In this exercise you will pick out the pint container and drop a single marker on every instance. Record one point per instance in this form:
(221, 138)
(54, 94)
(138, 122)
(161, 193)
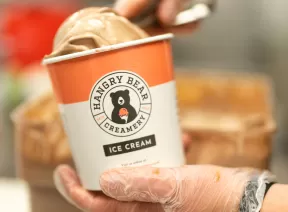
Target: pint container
(118, 106)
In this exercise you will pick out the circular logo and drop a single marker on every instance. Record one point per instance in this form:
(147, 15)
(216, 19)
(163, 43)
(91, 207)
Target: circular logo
(121, 103)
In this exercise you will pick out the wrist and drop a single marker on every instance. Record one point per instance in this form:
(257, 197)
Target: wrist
(255, 190)
(275, 199)
(235, 186)
(225, 187)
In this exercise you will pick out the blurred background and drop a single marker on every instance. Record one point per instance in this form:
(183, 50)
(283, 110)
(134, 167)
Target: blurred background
(246, 38)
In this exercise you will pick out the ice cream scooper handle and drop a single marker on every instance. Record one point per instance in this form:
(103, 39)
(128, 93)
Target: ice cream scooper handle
(198, 10)
(195, 10)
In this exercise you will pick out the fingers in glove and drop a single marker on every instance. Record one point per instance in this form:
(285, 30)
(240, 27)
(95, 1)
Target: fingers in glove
(68, 184)
(145, 184)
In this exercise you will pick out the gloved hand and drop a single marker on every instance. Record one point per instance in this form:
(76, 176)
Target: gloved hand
(148, 189)
(185, 189)
(166, 14)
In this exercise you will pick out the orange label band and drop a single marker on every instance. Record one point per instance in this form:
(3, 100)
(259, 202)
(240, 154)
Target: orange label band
(73, 79)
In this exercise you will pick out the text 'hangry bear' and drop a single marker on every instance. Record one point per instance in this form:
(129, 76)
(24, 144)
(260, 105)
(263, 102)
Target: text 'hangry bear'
(118, 80)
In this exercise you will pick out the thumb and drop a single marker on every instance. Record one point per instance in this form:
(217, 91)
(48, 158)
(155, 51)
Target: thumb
(144, 184)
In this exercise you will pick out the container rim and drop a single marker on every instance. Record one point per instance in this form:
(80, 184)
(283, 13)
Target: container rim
(107, 48)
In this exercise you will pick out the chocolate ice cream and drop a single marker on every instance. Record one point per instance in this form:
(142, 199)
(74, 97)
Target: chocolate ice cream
(91, 28)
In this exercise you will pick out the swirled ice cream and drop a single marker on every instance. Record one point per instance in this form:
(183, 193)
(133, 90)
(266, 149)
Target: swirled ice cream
(93, 27)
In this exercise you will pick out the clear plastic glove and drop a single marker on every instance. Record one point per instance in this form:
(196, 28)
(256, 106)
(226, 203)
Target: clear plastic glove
(148, 189)
(185, 189)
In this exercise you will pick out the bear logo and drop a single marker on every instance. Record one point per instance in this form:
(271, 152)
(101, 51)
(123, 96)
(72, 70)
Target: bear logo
(123, 111)
(121, 103)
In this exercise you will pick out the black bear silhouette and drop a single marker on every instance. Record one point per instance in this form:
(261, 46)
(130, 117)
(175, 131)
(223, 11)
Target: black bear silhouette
(121, 102)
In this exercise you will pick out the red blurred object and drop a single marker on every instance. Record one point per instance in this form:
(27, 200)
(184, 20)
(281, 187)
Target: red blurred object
(28, 31)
